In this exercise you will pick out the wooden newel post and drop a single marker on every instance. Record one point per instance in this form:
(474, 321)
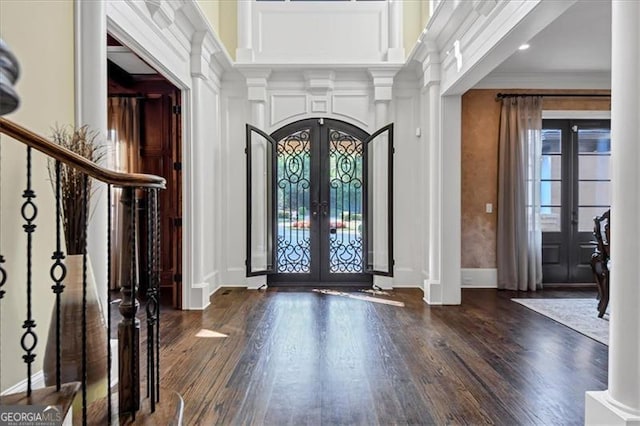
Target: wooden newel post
(129, 326)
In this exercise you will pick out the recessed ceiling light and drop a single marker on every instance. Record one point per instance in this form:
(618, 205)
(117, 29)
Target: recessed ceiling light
(524, 46)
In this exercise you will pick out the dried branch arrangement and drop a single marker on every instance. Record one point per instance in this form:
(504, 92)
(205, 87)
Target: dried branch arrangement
(82, 141)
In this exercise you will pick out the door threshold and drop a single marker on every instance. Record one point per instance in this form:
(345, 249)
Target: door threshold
(312, 285)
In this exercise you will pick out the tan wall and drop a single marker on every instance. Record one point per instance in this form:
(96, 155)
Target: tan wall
(211, 9)
(415, 17)
(40, 33)
(480, 125)
(228, 21)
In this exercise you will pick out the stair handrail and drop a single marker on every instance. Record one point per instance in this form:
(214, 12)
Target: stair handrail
(72, 159)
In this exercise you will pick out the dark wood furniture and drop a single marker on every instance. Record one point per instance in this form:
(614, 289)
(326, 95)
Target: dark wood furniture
(600, 259)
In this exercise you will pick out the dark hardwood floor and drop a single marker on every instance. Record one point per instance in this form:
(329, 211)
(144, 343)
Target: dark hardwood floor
(300, 357)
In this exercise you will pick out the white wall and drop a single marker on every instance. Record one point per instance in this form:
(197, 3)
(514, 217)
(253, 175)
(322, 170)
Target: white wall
(235, 113)
(409, 194)
(346, 95)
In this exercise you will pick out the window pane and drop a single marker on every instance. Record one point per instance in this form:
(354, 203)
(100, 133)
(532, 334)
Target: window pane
(586, 215)
(550, 219)
(594, 167)
(551, 167)
(595, 193)
(550, 193)
(594, 141)
(551, 141)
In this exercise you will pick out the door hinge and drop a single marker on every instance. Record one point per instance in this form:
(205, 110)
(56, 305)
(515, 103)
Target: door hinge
(574, 128)
(177, 166)
(176, 109)
(177, 221)
(177, 278)
(246, 151)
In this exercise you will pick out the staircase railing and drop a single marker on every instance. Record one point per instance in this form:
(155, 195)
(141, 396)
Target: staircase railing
(136, 188)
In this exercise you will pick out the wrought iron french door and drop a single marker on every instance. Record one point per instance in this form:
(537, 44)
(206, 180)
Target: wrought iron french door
(312, 209)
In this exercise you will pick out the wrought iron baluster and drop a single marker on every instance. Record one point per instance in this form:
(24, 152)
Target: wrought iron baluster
(156, 283)
(133, 267)
(109, 355)
(3, 277)
(151, 301)
(3, 272)
(29, 212)
(85, 208)
(58, 271)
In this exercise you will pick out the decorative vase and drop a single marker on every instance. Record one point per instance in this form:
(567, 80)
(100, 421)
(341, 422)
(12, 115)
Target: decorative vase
(71, 334)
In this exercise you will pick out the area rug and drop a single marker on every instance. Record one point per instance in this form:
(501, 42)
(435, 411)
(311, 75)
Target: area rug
(578, 314)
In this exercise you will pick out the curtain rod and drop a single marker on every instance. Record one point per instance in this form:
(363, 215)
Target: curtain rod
(558, 95)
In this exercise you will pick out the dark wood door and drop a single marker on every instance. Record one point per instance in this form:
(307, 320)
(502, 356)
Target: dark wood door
(160, 154)
(575, 187)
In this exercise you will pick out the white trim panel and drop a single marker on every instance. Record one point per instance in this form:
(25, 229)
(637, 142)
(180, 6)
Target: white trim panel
(479, 278)
(320, 32)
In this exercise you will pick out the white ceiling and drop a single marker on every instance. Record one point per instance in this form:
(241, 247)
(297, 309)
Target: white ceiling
(578, 41)
(127, 60)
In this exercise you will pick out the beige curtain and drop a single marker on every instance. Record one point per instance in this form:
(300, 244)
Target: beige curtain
(124, 121)
(124, 131)
(519, 245)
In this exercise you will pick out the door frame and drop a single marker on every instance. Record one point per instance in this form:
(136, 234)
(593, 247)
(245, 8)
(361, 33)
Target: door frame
(320, 194)
(569, 235)
(319, 191)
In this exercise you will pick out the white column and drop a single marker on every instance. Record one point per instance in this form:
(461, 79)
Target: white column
(620, 404)
(244, 51)
(257, 96)
(91, 109)
(395, 52)
(451, 195)
(431, 83)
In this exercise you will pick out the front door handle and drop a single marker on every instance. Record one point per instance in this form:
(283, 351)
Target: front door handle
(325, 208)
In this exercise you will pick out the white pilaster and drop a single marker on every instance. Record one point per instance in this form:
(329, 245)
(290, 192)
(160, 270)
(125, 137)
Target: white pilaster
(450, 194)
(244, 51)
(396, 47)
(620, 403)
(431, 83)
(383, 94)
(196, 289)
(257, 96)
(91, 109)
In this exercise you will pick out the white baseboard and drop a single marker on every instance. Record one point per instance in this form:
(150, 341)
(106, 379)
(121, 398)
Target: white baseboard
(600, 409)
(432, 292)
(479, 278)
